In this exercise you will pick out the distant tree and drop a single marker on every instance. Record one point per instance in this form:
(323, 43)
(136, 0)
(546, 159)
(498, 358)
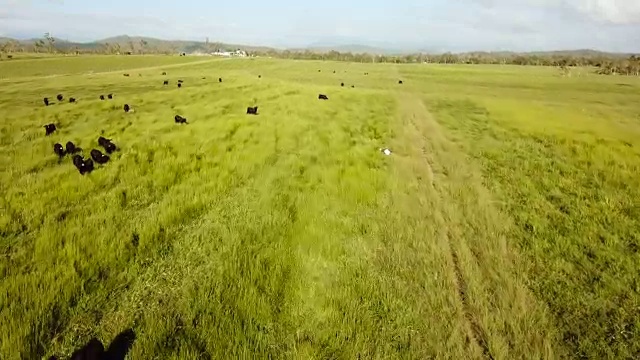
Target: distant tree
(4, 49)
(143, 44)
(38, 45)
(50, 41)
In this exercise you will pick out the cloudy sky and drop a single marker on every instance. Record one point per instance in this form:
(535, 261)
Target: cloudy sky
(452, 25)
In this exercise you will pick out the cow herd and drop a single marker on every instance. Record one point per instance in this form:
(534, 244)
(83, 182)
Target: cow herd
(59, 97)
(86, 165)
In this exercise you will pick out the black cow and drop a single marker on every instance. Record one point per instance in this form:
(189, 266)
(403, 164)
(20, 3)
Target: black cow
(59, 97)
(58, 149)
(219, 79)
(101, 97)
(72, 148)
(72, 100)
(180, 120)
(259, 76)
(110, 96)
(334, 71)
(180, 81)
(99, 157)
(88, 165)
(400, 82)
(366, 73)
(78, 162)
(166, 82)
(352, 86)
(164, 73)
(127, 75)
(252, 110)
(107, 144)
(94, 349)
(46, 101)
(319, 70)
(322, 97)
(179, 85)
(50, 128)
(126, 108)
(342, 84)
(83, 166)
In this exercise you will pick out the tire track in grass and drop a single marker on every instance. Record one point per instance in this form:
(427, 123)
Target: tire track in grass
(503, 319)
(477, 335)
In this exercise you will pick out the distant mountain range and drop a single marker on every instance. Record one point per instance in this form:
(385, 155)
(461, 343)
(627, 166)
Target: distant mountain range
(135, 43)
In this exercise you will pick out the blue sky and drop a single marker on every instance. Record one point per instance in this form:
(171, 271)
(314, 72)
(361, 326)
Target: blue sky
(437, 25)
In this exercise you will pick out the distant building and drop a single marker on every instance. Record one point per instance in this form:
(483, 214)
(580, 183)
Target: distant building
(236, 53)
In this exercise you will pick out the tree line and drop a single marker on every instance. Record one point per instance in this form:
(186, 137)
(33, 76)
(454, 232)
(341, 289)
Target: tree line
(606, 63)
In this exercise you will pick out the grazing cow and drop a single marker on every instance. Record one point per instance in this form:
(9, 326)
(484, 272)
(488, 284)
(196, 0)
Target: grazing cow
(252, 110)
(400, 82)
(180, 81)
(259, 76)
(72, 148)
(94, 349)
(164, 73)
(204, 78)
(352, 86)
(127, 75)
(219, 79)
(78, 162)
(59, 97)
(107, 144)
(334, 71)
(322, 97)
(166, 82)
(58, 149)
(50, 128)
(46, 101)
(83, 166)
(88, 165)
(72, 100)
(101, 97)
(319, 70)
(180, 120)
(99, 157)
(126, 108)
(110, 96)
(342, 84)
(366, 73)
(179, 85)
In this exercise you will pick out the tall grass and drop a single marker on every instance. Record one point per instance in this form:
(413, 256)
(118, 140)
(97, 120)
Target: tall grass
(501, 226)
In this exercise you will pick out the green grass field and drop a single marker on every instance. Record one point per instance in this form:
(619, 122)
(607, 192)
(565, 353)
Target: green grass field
(504, 225)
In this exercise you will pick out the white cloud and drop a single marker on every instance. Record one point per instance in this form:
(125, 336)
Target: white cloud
(611, 11)
(614, 11)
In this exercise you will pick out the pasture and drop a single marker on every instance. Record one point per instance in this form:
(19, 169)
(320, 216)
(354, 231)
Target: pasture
(505, 223)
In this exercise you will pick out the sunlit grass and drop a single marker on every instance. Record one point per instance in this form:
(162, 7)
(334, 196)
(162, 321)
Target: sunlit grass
(503, 224)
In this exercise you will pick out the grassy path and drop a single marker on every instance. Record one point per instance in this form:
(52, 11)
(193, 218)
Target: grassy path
(501, 318)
